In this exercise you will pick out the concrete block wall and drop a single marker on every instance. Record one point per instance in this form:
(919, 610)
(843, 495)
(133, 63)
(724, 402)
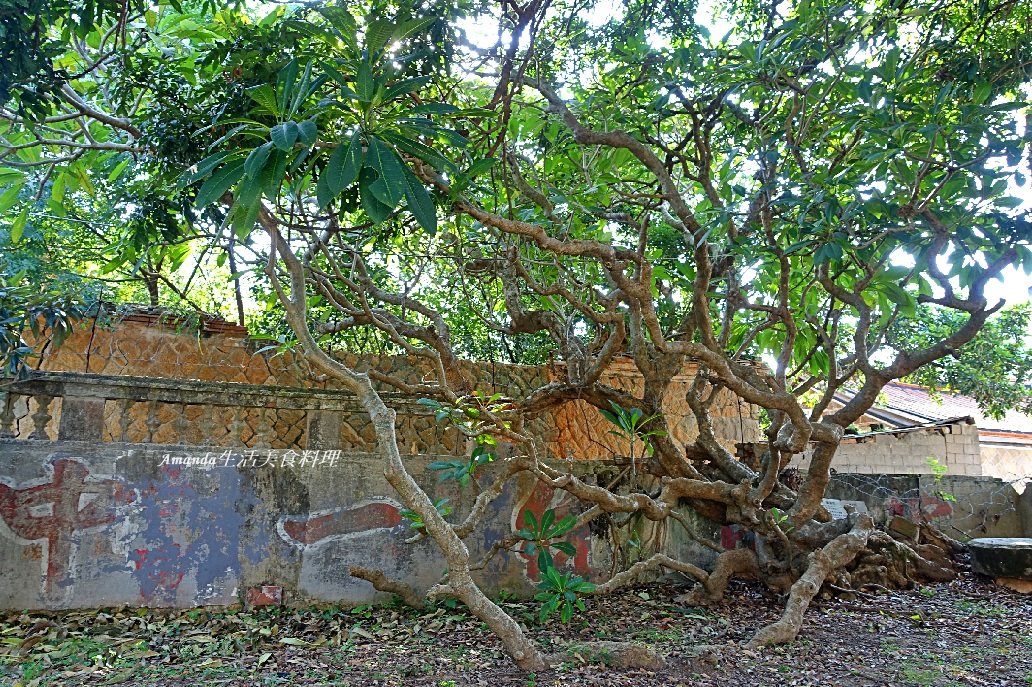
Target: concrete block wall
(86, 524)
(978, 506)
(1008, 462)
(1025, 509)
(954, 446)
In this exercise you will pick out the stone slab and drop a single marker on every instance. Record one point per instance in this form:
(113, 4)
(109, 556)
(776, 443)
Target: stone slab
(1008, 557)
(837, 507)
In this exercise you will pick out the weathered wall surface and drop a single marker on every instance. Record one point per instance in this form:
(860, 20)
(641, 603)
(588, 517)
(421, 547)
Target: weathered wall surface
(1010, 463)
(287, 494)
(575, 430)
(1025, 509)
(908, 452)
(86, 525)
(963, 506)
(103, 500)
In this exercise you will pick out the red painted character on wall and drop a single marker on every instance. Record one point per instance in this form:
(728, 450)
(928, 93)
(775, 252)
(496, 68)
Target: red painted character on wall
(925, 507)
(540, 499)
(340, 523)
(53, 509)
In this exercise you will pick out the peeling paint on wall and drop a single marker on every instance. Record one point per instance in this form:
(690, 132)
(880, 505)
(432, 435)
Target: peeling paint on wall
(537, 501)
(340, 524)
(53, 510)
(156, 534)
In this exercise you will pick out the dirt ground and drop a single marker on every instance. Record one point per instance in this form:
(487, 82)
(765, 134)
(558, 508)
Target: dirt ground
(968, 632)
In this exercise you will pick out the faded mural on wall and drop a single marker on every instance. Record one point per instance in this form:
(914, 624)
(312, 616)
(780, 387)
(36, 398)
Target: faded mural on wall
(49, 514)
(126, 525)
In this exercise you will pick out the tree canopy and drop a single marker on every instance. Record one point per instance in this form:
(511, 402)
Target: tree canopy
(995, 368)
(778, 205)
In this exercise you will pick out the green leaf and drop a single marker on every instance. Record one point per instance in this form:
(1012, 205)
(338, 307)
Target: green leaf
(10, 176)
(417, 149)
(272, 175)
(828, 252)
(412, 26)
(343, 166)
(9, 198)
(265, 96)
(376, 210)
(982, 92)
(405, 86)
(256, 160)
(341, 80)
(117, 171)
(284, 135)
(434, 108)
(547, 518)
(202, 169)
(365, 85)
(480, 166)
(389, 188)
(566, 547)
(307, 132)
(219, 183)
(285, 83)
(544, 560)
(341, 20)
(378, 34)
(323, 196)
(18, 226)
(420, 204)
(548, 609)
(246, 206)
(564, 526)
(303, 89)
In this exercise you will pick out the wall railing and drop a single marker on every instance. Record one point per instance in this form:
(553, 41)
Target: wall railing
(100, 408)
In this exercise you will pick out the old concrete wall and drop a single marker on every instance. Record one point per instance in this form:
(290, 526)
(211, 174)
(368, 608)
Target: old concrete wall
(574, 430)
(1011, 463)
(1025, 509)
(963, 506)
(953, 446)
(87, 524)
(99, 505)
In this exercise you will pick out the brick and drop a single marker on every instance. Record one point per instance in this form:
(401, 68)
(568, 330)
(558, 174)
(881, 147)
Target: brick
(903, 526)
(266, 595)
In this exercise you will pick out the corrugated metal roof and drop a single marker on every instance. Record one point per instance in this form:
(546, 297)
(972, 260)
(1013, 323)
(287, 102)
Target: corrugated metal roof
(905, 404)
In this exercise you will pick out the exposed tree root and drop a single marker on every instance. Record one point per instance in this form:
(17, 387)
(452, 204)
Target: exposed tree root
(383, 583)
(838, 553)
(659, 560)
(896, 564)
(737, 562)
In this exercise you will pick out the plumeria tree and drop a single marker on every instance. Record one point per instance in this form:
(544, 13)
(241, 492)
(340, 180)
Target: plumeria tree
(768, 194)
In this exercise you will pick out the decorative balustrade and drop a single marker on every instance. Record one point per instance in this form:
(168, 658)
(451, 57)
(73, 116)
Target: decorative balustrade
(99, 408)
